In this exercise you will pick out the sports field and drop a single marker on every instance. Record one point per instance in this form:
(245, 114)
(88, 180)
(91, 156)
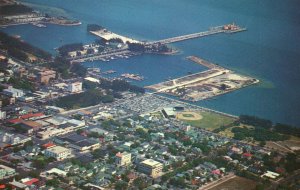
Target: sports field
(203, 119)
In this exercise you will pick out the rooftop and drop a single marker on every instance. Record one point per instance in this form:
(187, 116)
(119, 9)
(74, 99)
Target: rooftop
(74, 138)
(120, 155)
(150, 162)
(57, 149)
(32, 124)
(5, 167)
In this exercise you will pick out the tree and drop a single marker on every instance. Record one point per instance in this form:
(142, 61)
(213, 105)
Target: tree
(65, 49)
(178, 182)
(78, 69)
(94, 27)
(34, 174)
(121, 185)
(255, 121)
(140, 183)
(138, 47)
(52, 183)
(19, 49)
(39, 163)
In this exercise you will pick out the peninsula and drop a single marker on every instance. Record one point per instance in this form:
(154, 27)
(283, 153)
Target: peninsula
(207, 84)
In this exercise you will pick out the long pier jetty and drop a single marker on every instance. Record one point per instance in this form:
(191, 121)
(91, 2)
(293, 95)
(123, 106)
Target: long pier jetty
(204, 62)
(230, 28)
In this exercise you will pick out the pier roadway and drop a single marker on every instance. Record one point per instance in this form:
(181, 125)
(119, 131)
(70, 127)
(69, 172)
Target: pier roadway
(190, 36)
(211, 31)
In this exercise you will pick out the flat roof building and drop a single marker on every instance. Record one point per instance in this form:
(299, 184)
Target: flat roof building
(46, 75)
(123, 159)
(75, 87)
(13, 92)
(58, 152)
(151, 168)
(169, 112)
(6, 172)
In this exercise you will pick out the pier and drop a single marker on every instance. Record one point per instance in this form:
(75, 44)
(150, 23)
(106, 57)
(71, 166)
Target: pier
(204, 62)
(230, 28)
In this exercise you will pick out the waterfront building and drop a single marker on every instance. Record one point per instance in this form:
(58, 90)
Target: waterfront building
(151, 167)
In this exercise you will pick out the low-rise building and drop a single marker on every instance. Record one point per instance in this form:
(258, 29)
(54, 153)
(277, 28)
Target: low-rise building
(85, 145)
(57, 172)
(45, 75)
(78, 142)
(75, 87)
(169, 112)
(29, 127)
(2, 115)
(271, 175)
(6, 172)
(50, 132)
(13, 92)
(58, 152)
(13, 139)
(123, 159)
(151, 168)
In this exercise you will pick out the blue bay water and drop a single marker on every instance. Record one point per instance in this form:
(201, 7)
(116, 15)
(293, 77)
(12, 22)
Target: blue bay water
(269, 50)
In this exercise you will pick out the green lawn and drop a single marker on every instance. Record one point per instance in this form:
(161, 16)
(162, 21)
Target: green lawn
(211, 121)
(228, 133)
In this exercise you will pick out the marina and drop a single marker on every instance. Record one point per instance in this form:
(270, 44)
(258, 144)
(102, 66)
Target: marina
(136, 77)
(126, 53)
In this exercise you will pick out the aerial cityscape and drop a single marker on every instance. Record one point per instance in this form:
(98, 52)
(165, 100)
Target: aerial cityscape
(154, 95)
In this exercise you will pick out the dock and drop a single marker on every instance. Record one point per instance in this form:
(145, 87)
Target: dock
(204, 62)
(229, 29)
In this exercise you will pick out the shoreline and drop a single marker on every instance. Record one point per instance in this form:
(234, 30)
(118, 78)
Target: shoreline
(43, 22)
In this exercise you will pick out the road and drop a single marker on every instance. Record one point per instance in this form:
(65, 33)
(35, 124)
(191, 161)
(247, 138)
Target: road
(218, 182)
(286, 180)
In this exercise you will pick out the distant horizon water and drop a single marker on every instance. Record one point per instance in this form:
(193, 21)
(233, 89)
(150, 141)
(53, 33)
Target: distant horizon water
(268, 50)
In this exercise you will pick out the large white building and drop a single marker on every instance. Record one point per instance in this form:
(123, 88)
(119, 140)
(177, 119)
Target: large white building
(151, 168)
(2, 115)
(75, 87)
(123, 159)
(13, 139)
(58, 152)
(50, 132)
(12, 92)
